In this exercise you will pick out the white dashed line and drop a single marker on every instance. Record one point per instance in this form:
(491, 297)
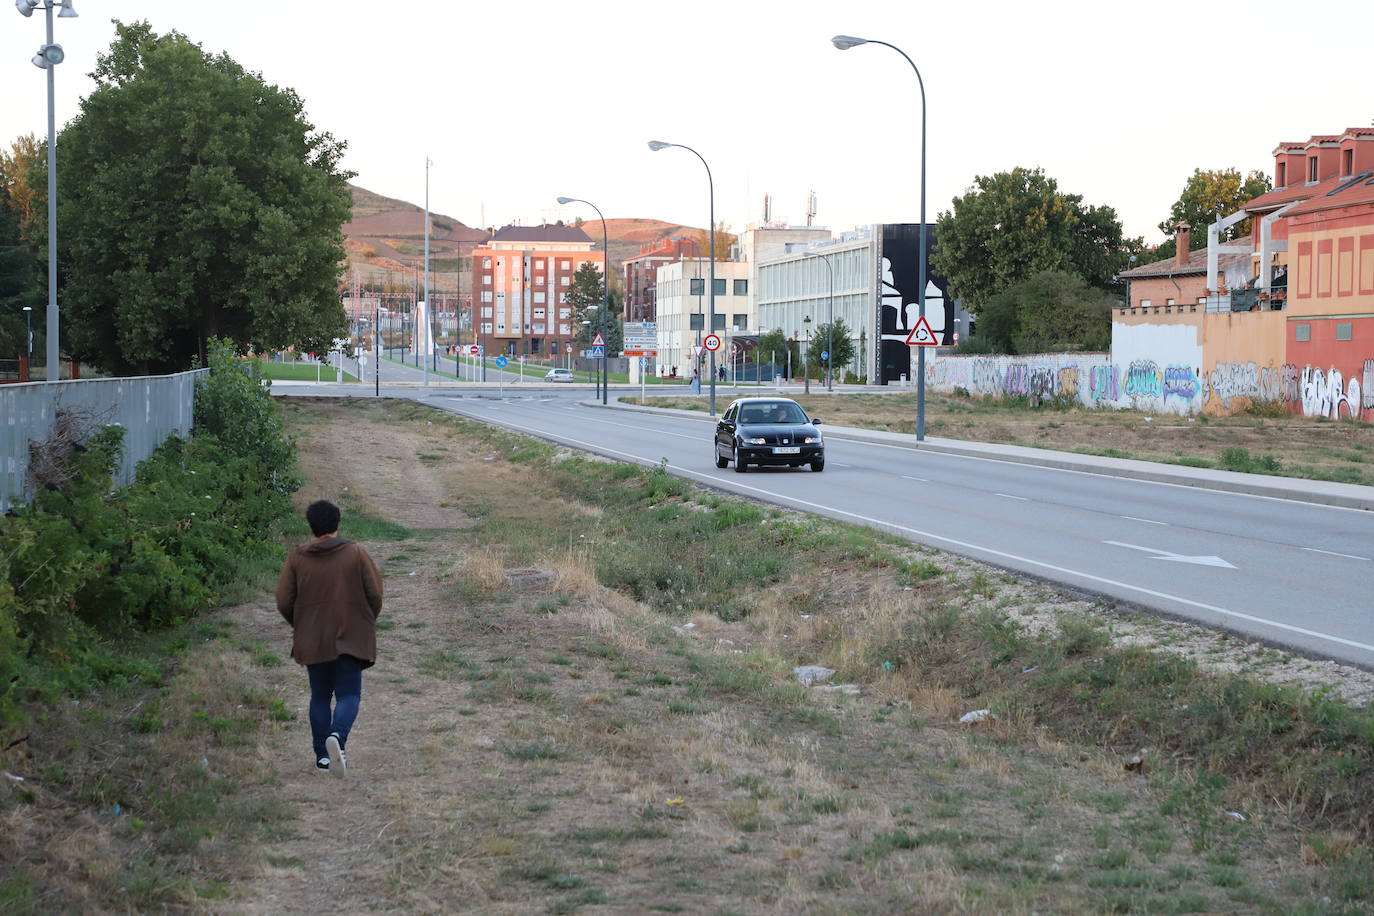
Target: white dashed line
(1024, 499)
(1148, 521)
(1332, 553)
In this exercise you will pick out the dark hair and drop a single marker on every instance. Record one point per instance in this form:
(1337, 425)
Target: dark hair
(323, 517)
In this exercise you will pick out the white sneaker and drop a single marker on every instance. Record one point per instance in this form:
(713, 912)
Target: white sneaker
(336, 753)
(322, 764)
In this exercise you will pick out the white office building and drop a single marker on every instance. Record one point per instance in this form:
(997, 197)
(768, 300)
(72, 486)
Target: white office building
(682, 304)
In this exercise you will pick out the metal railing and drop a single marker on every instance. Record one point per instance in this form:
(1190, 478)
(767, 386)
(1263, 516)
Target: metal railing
(150, 409)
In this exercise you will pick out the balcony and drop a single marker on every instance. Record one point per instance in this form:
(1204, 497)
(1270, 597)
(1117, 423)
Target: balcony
(1250, 300)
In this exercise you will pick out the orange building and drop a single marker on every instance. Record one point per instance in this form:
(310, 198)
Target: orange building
(520, 280)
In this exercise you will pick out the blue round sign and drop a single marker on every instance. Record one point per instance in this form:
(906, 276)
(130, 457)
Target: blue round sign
(501, 362)
(825, 354)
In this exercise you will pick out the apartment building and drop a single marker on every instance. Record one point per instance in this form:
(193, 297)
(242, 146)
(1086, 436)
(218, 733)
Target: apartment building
(520, 280)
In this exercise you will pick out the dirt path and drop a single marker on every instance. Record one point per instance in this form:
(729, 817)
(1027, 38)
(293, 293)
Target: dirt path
(535, 743)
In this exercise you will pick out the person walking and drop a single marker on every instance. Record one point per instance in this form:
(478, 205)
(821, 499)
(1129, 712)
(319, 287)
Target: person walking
(331, 593)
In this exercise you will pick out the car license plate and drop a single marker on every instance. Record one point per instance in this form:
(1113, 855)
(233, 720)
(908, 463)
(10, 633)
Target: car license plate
(788, 450)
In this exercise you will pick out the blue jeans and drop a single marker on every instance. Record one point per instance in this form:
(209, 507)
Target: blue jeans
(342, 682)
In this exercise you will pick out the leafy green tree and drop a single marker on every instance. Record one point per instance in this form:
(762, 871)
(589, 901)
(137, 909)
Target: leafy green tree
(1051, 311)
(21, 280)
(1012, 225)
(820, 343)
(1207, 197)
(772, 348)
(197, 202)
(586, 297)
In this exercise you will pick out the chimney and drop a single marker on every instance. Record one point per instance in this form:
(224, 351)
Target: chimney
(1183, 236)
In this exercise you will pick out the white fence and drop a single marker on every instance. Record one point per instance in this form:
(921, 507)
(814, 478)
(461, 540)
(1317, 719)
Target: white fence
(150, 409)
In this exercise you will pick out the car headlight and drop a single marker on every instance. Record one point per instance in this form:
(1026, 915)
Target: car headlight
(812, 440)
(756, 441)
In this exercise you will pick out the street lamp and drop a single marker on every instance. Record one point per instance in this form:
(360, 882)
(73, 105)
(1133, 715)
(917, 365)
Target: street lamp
(657, 145)
(830, 341)
(47, 58)
(605, 285)
(28, 324)
(844, 43)
(806, 355)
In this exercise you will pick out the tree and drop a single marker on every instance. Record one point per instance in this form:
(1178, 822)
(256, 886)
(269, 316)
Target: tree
(820, 343)
(772, 348)
(1206, 198)
(1051, 311)
(1012, 225)
(197, 202)
(586, 296)
(21, 283)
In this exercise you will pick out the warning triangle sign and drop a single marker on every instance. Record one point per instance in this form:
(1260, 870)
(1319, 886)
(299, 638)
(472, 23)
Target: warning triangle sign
(922, 335)
(598, 340)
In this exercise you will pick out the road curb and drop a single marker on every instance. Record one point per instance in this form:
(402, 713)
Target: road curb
(1320, 492)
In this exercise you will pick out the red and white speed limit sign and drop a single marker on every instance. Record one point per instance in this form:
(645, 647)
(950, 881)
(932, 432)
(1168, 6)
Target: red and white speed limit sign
(712, 342)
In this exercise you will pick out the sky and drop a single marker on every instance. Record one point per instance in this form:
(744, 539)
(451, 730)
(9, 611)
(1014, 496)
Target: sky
(520, 103)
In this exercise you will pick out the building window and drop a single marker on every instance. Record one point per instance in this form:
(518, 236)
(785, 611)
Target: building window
(565, 281)
(538, 297)
(486, 262)
(1302, 333)
(1349, 161)
(741, 322)
(565, 313)
(1169, 302)
(1283, 175)
(539, 313)
(486, 327)
(698, 286)
(486, 311)
(718, 286)
(486, 279)
(538, 263)
(741, 287)
(1311, 168)
(1343, 330)
(565, 265)
(486, 295)
(564, 329)
(1145, 303)
(562, 297)
(539, 280)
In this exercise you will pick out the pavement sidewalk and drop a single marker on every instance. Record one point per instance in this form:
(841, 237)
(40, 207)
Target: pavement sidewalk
(1323, 492)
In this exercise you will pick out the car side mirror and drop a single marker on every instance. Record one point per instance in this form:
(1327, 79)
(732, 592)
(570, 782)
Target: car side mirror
(815, 421)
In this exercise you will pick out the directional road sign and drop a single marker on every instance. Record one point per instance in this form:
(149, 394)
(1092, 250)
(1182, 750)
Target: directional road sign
(501, 362)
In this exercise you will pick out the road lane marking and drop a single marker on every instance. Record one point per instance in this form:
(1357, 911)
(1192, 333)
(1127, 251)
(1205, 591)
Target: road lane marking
(1148, 521)
(1332, 553)
(989, 551)
(1174, 557)
(1024, 499)
(919, 479)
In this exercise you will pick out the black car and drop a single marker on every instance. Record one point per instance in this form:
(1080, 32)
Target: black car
(768, 431)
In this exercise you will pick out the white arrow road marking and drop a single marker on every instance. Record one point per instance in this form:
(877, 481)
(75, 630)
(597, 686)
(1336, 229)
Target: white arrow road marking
(1175, 557)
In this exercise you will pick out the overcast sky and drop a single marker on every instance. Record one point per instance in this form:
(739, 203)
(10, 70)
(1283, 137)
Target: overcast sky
(520, 102)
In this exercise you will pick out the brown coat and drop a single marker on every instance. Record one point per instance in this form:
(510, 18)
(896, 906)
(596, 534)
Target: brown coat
(331, 593)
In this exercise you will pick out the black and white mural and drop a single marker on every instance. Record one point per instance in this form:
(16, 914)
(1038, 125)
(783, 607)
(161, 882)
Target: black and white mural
(899, 249)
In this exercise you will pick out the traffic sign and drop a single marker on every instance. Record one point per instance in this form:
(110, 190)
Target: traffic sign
(639, 352)
(598, 340)
(501, 362)
(598, 352)
(712, 342)
(922, 335)
(475, 349)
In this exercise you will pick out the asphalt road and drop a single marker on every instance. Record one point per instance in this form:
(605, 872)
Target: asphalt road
(1288, 572)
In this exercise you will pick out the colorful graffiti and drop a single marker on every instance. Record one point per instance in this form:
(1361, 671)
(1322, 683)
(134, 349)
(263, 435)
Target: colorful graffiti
(1094, 381)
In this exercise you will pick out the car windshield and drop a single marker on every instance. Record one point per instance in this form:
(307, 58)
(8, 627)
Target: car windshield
(778, 412)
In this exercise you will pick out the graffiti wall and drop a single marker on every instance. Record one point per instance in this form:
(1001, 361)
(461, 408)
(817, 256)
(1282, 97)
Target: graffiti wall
(1144, 383)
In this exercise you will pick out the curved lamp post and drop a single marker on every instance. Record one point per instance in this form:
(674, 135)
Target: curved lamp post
(603, 379)
(47, 58)
(657, 145)
(830, 331)
(844, 43)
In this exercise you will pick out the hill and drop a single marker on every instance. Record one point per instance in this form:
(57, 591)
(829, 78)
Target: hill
(385, 242)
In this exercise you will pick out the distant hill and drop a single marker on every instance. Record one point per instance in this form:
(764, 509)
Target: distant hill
(386, 237)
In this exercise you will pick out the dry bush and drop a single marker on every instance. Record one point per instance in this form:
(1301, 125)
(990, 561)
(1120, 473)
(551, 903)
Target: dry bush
(483, 570)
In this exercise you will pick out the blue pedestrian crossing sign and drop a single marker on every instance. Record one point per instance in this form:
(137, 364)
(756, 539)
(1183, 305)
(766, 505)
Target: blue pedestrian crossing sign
(598, 352)
(501, 362)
